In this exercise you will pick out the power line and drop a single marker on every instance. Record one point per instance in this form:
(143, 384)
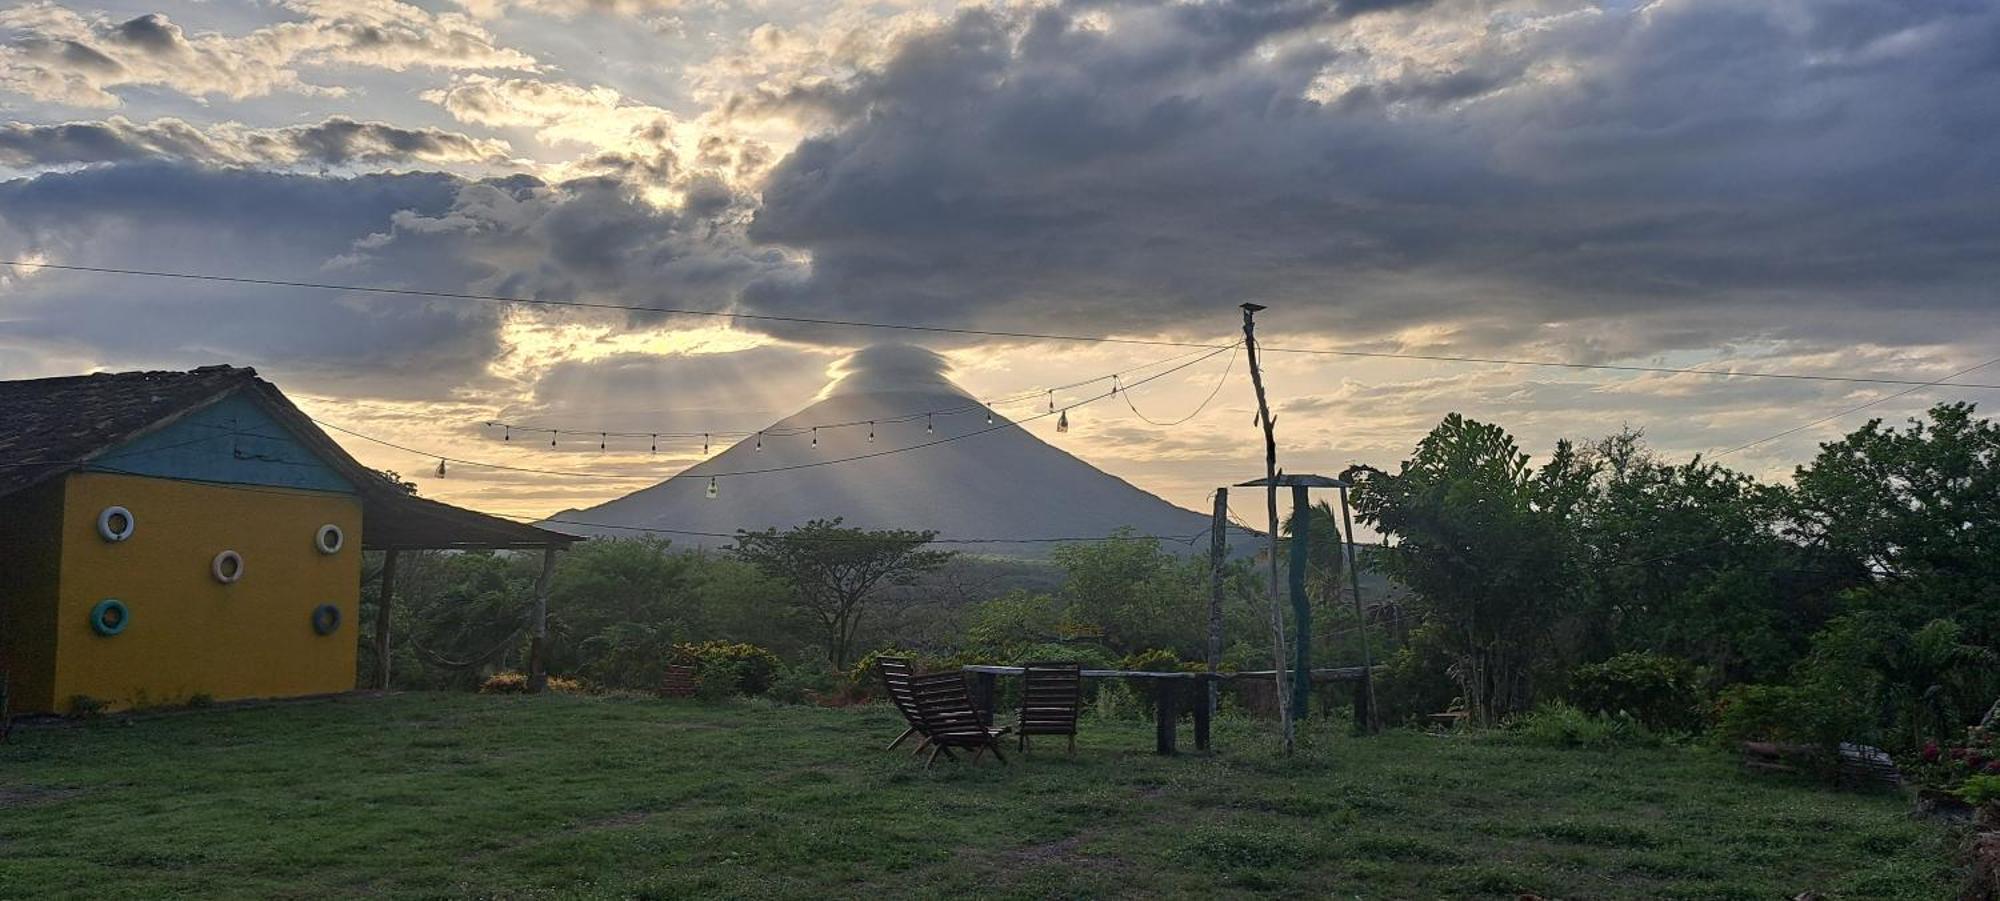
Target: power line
(935, 329)
(1857, 409)
(1219, 382)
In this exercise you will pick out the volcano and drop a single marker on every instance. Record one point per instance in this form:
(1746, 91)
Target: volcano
(938, 462)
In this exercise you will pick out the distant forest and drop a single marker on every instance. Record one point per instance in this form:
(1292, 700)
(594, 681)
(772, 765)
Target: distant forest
(1858, 601)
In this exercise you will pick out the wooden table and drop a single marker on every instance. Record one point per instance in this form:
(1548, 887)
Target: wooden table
(1169, 690)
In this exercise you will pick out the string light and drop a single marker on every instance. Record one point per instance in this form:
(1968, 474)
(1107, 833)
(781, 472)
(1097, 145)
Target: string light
(989, 415)
(871, 431)
(704, 444)
(506, 433)
(552, 439)
(656, 444)
(600, 440)
(1114, 383)
(760, 442)
(440, 467)
(1062, 421)
(712, 491)
(1052, 401)
(928, 428)
(815, 436)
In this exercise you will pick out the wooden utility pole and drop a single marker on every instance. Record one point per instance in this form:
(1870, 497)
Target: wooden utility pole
(385, 601)
(538, 647)
(1218, 553)
(1301, 606)
(1271, 504)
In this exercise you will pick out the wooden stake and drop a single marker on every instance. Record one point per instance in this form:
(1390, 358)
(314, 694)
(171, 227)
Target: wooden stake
(385, 602)
(1271, 503)
(1369, 721)
(1218, 552)
(538, 648)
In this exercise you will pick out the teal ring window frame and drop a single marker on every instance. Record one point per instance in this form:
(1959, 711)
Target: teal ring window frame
(326, 619)
(109, 617)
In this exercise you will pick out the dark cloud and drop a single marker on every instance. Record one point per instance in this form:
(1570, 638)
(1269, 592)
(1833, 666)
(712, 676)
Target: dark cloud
(337, 141)
(1675, 175)
(161, 216)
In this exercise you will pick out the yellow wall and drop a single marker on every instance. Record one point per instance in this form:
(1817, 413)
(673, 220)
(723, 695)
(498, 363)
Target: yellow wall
(30, 563)
(189, 634)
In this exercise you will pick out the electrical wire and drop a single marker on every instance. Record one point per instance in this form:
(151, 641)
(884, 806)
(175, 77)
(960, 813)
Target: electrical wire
(1856, 409)
(1219, 382)
(990, 333)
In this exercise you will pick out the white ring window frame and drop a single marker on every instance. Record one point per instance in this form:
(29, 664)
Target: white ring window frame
(215, 567)
(334, 532)
(105, 530)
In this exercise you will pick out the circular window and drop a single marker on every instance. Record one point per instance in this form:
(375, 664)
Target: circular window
(326, 619)
(115, 524)
(109, 617)
(227, 568)
(329, 539)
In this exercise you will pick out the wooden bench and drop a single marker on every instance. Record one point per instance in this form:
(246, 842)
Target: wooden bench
(680, 681)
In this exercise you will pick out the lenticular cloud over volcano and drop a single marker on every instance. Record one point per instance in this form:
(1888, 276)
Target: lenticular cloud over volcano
(891, 443)
(886, 368)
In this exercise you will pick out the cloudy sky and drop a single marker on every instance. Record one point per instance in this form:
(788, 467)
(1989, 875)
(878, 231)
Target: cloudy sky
(1807, 186)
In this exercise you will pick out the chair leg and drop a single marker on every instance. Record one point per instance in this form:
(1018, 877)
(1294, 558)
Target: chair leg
(935, 751)
(923, 741)
(997, 755)
(1072, 744)
(978, 751)
(899, 739)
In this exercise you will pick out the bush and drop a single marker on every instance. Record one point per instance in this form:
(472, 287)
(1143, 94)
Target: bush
(739, 668)
(1658, 690)
(1561, 725)
(808, 682)
(514, 682)
(1154, 661)
(1981, 790)
(1806, 714)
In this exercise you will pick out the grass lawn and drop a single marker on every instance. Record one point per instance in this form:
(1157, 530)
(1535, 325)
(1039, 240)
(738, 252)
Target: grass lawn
(429, 795)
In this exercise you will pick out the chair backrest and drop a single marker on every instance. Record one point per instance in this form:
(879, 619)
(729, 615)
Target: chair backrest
(944, 708)
(897, 675)
(1051, 696)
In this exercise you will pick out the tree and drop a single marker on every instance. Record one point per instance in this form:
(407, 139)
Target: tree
(1484, 542)
(834, 572)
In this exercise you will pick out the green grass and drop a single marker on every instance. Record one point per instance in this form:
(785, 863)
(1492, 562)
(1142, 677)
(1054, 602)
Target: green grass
(428, 795)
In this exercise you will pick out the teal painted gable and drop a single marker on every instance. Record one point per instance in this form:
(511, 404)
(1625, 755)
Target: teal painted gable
(232, 440)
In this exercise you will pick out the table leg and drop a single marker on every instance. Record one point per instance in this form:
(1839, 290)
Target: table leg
(984, 697)
(1165, 714)
(1201, 718)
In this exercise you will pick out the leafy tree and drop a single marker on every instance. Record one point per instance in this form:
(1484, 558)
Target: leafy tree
(1485, 543)
(835, 572)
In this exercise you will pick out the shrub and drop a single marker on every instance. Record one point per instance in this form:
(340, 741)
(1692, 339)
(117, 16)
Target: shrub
(1561, 725)
(1981, 790)
(1153, 661)
(514, 682)
(744, 668)
(1658, 690)
(807, 682)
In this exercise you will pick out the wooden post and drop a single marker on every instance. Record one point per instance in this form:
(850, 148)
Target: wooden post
(385, 601)
(1201, 718)
(1278, 661)
(1302, 686)
(538, 648)
(1366, 720)
(1165, 711)
(1218, 552)
(987, 684)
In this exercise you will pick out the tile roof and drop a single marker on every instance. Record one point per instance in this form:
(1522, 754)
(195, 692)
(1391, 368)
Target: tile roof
(49, 425)
(52, 426)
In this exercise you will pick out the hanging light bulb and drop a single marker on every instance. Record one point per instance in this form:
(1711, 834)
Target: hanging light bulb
(760, 442)
(440, 467)
(552, 437)
(1062, 420)
(989, 415)
(1052, 401)
(507, 433)
(1114, 384)
(600, 440)
(928, 428)
(815, 436)
(656, 444)
(871, 431)
(712, 492)
(704, 443)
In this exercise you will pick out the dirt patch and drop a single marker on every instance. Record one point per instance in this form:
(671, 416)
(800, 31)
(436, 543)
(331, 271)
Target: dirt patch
(31, 795)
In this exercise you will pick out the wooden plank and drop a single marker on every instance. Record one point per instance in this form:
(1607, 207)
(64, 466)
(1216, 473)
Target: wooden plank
(1218, 556)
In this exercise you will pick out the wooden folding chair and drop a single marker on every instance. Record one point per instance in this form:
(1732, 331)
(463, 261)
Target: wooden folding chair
(1051, 699)
(944, 707)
